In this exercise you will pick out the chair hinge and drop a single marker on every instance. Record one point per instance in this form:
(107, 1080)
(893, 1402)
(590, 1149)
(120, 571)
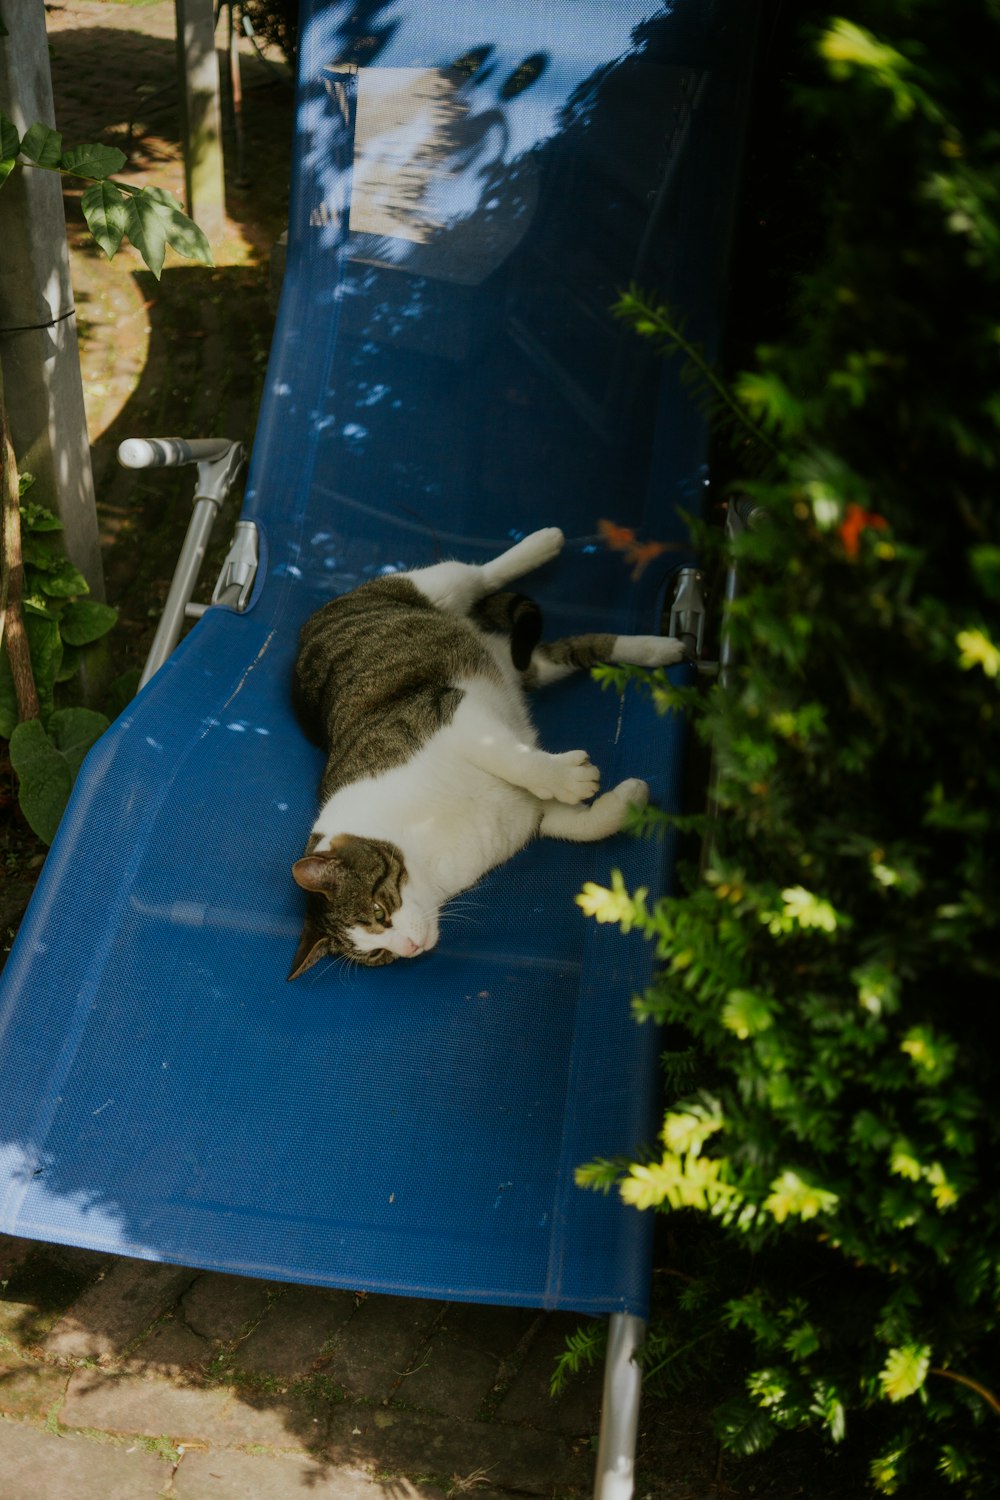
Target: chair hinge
(239, 571)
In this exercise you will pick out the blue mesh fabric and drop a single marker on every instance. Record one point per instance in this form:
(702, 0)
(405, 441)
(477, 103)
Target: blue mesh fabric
(472, 186)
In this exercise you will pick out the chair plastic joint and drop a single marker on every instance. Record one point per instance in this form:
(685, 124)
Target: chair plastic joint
(687, 611)
(239, 571)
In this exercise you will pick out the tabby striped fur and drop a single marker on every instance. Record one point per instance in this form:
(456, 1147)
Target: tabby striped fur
(415, 684)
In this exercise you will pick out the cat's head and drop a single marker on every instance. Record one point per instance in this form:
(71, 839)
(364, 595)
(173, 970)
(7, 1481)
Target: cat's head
(358, 906)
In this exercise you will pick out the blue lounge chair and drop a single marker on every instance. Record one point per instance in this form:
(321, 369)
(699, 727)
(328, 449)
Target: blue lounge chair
(473, 185)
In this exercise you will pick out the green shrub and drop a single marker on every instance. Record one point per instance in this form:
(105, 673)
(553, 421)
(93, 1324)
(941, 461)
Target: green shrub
(831, 978)
(60, 623)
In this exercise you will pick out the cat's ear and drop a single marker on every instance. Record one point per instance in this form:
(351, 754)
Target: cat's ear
(322, 873)
(312, 947)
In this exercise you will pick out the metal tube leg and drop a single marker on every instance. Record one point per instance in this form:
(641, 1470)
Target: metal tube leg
(185, 578)
(615, 1477)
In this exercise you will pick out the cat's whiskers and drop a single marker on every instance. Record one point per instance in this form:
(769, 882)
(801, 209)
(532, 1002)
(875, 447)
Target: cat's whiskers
(415, 685)
(457, 912)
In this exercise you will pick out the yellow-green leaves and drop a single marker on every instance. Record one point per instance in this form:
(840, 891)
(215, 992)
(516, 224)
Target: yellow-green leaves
(683, 1178)
(748, 1013)
(904, 1371)
(614, 905)
(852, 50)
(792, 1196)
(803, 910)
(933, 1055)
(976, 649)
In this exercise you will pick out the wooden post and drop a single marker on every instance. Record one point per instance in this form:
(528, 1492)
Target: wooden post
(38, 342)
(201, 116)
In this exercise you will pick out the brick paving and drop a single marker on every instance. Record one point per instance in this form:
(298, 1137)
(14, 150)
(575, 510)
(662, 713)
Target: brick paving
(120, 1379)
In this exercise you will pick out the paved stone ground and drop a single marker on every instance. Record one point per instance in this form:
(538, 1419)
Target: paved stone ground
(122, 1378)
(119, 1379)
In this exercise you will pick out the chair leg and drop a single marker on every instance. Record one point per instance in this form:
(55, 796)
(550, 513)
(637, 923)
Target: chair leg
(615, 1477)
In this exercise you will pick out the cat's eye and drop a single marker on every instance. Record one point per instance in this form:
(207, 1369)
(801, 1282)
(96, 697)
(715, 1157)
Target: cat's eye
(378, 912)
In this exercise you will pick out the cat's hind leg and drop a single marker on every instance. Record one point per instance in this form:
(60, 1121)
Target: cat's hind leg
(525, 556)
(457, 586)
(586, 824)
(553, 660)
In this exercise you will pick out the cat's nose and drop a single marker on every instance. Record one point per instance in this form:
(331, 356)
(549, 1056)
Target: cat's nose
(411, 949)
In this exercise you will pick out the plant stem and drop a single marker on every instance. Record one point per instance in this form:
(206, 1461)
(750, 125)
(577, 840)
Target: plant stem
(123, 187)
(12, 576)
(973, 1385)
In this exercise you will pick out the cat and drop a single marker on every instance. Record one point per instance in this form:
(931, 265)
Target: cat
(415, 683)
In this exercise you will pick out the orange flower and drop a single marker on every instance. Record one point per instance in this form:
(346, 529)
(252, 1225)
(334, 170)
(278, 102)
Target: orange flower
(639, 554)
(856, 520)
(618, 538)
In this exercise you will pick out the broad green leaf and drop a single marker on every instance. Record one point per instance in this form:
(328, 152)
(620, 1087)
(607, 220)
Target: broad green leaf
(37, 604)
(10, 141)
(145, 227)
(183, 234)
(122, 691)
(105, 208)
(86, 620)
(70, 663)
(35, 517)
(47, 763)
(44, 778)
(905, 1371)
(93, 161)
(39, 553)
(63, 581)
(73, 731)
(42, 145)
(7, 165)
(46, 648)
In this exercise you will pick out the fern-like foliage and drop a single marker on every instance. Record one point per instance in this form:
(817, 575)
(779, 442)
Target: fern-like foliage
(831, 1124)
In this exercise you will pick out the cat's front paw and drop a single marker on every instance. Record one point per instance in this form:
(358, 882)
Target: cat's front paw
(648, 650)
(570, 777)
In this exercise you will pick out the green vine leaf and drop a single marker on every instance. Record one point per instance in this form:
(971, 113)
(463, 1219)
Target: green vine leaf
(42, 145)
(10, 145)
(97, 161)
(146, 229)
(63, 581)
(105, 208)
(86, 620)
(44, 778)
(181, 233)
(47, 763)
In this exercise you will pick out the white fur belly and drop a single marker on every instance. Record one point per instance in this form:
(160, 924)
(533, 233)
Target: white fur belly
(452, 821)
